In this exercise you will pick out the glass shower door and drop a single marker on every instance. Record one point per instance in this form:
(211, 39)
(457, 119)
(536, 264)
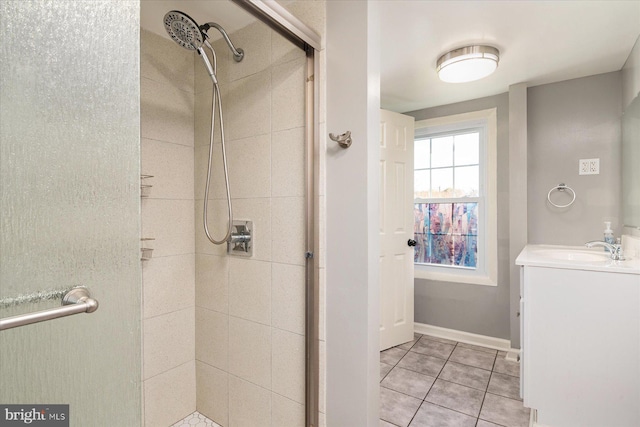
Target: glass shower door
(69, 194)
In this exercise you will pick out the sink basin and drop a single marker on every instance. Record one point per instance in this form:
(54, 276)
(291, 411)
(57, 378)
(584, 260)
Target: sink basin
(576, 258)
(574, 255)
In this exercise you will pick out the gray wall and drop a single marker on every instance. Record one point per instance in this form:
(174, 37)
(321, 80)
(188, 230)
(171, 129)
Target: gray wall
(567, 121)
(631, 76)
(473, 308)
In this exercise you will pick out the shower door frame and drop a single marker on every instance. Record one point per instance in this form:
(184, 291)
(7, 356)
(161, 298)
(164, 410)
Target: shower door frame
(287, 25)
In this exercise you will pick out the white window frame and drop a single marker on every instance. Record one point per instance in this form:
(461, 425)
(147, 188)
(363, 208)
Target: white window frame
(486, 271)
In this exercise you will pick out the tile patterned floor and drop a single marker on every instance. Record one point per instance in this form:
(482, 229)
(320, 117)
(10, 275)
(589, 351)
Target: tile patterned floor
(434, 382)
(196, 420)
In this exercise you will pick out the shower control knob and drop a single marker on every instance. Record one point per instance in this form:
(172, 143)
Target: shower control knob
(411, 242)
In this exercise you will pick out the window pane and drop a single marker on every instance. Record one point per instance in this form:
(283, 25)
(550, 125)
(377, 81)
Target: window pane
(439, 249)
(446, 234)
(421, 226)
(465, 218)
(467, 149)
(442, 182)
(421, 184)
(440, 216)
(421, 216)
(465, 251)
(467, 181)
(421, 154)
(442, 151)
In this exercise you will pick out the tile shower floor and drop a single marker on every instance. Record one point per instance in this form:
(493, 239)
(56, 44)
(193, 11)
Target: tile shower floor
(196, 420)
(433, 382)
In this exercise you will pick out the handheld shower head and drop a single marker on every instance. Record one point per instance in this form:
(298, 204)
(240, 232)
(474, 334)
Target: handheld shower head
(185, 31)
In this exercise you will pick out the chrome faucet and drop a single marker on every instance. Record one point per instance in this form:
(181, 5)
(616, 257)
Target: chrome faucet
(615, 249)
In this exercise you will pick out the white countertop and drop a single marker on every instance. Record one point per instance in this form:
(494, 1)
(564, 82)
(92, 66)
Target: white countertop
(575, 258)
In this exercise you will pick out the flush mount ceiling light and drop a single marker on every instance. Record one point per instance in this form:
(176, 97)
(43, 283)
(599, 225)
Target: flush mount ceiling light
(467, 64)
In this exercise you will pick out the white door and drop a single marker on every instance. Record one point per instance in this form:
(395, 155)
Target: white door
(396, 229)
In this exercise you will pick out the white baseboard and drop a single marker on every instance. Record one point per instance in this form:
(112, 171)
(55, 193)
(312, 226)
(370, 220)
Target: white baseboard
(467, 338)
(513, 355)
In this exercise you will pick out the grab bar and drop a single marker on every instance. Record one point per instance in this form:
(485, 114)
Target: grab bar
(77, 300)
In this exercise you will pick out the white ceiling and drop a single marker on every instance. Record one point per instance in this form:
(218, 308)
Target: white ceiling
(539, 41)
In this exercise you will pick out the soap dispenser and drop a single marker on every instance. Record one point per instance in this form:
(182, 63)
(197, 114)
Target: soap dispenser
(608, 235)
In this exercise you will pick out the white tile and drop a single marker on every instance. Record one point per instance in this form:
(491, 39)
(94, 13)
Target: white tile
(212, 282)
(202, 118)
(196, 419)
(249, 165)
(249, 169)
(322, 114)
(288, 230)
(170, 396)
(212, 394)
(164, 61)
(322, 390)
(250, 290)
(258, 211)
(217, 188)
(282, 50)
(288, 363)
(249, 405)
(285, 412)
(287, 110)
(321, 223)
(169, 341)
(171, 166)
(218, 223)
(250, 351)
(255, 40)
(288, 163)
(201, 76)
(212, 338)
(248, 112)
(288, 296)
(166, 113)
(322, 420)
(322, 325)
(202, 115)
(168, 284)
(322, 173)
(170, 222)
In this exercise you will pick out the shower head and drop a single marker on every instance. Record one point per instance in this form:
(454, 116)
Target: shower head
(183, 30)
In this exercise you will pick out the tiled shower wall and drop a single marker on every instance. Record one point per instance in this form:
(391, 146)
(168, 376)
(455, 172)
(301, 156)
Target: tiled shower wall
(242, 320)
(250, 311)
(167, 105)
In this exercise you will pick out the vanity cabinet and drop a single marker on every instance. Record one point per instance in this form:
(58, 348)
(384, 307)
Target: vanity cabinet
(580, 343)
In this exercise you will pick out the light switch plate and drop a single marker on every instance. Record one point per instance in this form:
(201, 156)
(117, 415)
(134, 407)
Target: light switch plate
(589, 167)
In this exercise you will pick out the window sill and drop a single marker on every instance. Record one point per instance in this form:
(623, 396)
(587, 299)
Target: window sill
(457, 278)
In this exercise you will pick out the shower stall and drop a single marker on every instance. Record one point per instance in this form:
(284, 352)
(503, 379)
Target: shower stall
(100, 160)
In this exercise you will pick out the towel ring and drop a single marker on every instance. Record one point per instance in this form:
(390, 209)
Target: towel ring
(561, 187)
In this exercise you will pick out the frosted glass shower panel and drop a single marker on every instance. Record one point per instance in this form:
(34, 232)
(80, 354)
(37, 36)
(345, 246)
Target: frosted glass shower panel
(69, 181)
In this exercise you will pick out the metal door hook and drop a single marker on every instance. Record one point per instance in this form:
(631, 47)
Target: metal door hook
(344, 139)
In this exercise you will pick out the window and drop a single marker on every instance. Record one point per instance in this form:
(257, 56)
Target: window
(454, 198)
